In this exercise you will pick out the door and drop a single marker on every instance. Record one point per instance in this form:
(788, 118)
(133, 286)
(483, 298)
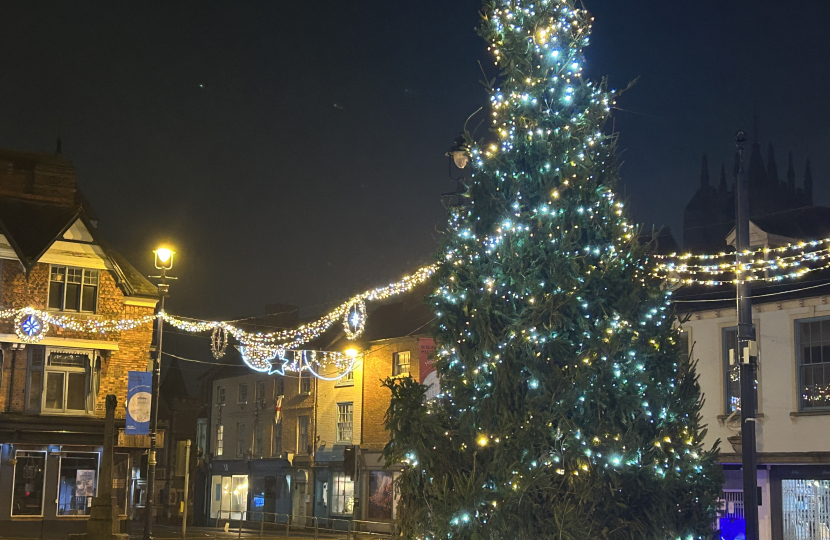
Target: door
(321, 497)
(298, 503)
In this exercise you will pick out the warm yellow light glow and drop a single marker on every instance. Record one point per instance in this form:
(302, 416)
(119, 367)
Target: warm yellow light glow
(164, 254)
(351, 352)
(483, 440)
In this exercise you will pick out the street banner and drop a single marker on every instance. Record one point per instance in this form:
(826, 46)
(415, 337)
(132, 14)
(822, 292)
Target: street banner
(139, 385)
(426, 369)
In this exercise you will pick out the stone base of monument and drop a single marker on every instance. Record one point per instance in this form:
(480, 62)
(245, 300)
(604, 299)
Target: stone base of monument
(103, 522)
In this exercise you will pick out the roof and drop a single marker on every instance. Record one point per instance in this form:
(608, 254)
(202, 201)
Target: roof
(32, 227)
(807, 222)
(40, 201)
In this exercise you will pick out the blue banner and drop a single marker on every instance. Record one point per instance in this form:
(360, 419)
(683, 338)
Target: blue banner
(139, 386)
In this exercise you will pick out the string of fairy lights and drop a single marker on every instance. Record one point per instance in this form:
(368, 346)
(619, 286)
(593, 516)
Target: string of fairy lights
(764, 265)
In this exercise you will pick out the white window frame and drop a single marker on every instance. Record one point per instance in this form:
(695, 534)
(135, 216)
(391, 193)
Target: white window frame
(339, 483)
(344, 422)
(305, 375)
(347, 379)
(239, 397)
(799, 347)
(58, 488)
(42, 489)
(397, 365)
(220, 395)
(219, 450)
(66, 370)
(303, 450)
(85, 272)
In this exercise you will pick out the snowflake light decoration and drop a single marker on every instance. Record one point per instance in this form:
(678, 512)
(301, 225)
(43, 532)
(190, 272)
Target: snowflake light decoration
(354, 322)
(30, 326)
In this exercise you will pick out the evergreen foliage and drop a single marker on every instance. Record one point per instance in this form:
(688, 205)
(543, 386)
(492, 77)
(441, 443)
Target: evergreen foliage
(569, 410)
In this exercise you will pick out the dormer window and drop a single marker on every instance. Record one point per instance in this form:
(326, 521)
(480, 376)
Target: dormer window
(73, 289)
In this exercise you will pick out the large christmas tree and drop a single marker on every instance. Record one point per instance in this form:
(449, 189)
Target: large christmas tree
(569, 410)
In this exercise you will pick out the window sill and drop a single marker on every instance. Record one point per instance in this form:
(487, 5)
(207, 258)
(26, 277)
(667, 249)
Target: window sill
(723, 417)
(344, 384)
(72, 517)
(824, 412)
(401, 376)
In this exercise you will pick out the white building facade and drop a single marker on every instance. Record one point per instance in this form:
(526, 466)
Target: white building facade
(793, 427)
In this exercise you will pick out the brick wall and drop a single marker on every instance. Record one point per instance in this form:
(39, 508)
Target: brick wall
(330, 394)
(17, 290)
(377, 367)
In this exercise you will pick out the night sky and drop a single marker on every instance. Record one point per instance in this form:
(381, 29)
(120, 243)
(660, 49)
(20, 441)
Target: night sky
(294, 151)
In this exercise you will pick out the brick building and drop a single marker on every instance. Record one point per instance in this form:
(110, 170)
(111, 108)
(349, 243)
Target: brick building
(299, 461)
(52, 393)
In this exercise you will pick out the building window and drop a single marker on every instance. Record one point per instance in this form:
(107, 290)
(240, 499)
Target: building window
(73, 289)
(220, 440)
(305, 382)
(260, 391)
(258, 427)
(243, 444)
(220, 395)
(242, 393)
(66, 382)
(345, 414)
(29, 476)
(732, 370)
(276, 449)
(77, 483)
(400, 363)
(342, 494)
(201, 434)
(813, 357)
(279, 387)
(346, 375)
(302, 435)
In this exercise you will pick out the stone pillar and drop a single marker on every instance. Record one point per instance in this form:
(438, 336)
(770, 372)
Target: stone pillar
(103, 521)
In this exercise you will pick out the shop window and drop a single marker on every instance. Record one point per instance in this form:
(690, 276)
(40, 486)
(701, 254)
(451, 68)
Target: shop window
(400, 363)
(73, 289)
(229, 496)
(120, 476)
(345, 421)
(342, 494)
(732, 370)
(302, 435)
(380, 495)
(813, 359)
(77, 483)
(806, 509)
(29, 477)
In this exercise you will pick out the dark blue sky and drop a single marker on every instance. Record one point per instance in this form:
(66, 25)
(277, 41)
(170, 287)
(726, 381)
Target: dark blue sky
(213, 124)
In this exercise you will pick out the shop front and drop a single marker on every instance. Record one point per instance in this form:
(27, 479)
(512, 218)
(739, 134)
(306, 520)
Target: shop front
(51, 487)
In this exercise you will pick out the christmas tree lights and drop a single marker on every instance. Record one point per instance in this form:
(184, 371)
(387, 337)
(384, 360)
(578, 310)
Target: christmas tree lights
(569, 409)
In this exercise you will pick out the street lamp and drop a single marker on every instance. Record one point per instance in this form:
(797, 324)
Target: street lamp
(163, 262)
(460, 157)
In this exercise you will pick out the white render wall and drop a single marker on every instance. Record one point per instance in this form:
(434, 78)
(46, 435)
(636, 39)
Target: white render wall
(777, 431)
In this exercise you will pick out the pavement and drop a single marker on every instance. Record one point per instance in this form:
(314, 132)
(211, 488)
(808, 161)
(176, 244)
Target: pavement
(203, 533)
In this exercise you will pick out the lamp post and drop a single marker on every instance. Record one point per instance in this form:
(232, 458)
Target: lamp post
(747, 355)
(164, 262)
(458, 155)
